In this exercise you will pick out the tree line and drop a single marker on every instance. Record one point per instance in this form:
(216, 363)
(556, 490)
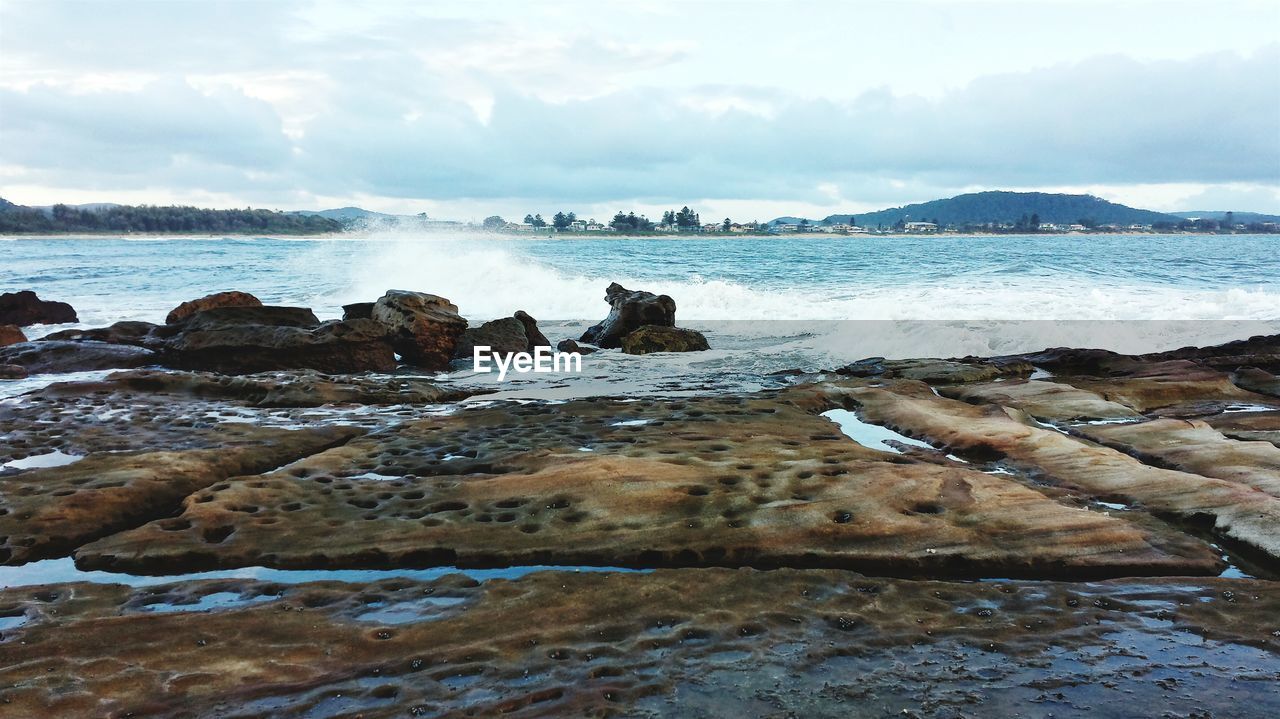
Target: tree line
(148, 218)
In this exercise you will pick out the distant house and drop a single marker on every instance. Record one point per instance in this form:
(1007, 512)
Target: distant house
(921, 227)
(712, 227)
(784, 227)
(1077, 228)
(745, 227)
(517, 227)
(578, 226)
(595, 227)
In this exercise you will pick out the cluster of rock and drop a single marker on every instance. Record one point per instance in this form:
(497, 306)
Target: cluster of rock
(235, 333)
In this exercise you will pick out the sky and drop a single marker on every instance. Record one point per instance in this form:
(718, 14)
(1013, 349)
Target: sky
(749, 110)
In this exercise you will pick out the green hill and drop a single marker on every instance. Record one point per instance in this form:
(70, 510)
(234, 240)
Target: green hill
(18, 219)
(1002, 207)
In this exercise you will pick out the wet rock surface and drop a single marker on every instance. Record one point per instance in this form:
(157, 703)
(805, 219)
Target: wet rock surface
(1066, 465)
(756, 480)
(707, 642)
(47, 511)
(51, 356)
(629, 310)
(652, 338)
(26, 308)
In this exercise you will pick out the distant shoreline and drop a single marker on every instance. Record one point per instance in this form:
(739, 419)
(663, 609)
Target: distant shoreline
(782, 236)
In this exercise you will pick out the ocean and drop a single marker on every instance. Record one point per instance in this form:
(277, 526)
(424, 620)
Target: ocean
(766, 304)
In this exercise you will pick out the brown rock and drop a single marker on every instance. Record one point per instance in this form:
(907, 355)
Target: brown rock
(937, 371)
(425, 328)
(1193, 446)
(629, 311)
(756, 480)
(242, 340)
(1238, 511)
(11, 334)
(13, 371)
(358, 311)
(671, 643)
(502, 336)
(120, 333)
(576, 347)
(208, 302)
(1050, 401)
(50, 511)
(536, 338)
(25, 308)
(652, 338)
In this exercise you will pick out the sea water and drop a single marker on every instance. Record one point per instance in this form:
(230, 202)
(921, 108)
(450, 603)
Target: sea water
(766, 303)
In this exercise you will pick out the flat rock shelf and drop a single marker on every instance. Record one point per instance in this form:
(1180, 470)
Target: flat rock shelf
(1065, 533)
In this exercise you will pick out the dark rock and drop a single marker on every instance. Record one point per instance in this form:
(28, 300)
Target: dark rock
(208, 302)
(536, 338)
(25, 308)
(358, 311)
(11, 335)
(120, 333)
(502, 337)
(941, 371)
(12, 371)
(1257, 380)
(576, 347)
(424, 328)
(44, 357)
(652, 338)
(630, 311)
(241, 340)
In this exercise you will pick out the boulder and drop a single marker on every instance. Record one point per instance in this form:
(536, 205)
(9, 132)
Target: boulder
(47, 357)
(241, 340)
(502, 337)
(630, 311)
(11, 334)
(518, 333)
(208, 302)
(12, 371)
(25, 308)
(652, 338)
(576, 347)
(536, 338)
(358, 311)
(120, 333)
(424, 328)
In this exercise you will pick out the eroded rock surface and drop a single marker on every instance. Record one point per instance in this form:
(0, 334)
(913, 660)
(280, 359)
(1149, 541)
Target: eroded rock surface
(47, 512)
(701, 642)
(755, 480)
(425, 328)
(1043, 400)
(1238, 511)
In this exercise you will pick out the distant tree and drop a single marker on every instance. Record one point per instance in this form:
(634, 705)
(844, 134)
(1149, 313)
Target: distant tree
(853, 222)
(1035, 221)
(1088, 222)
(724, 226)
(494, 222)
(669, 218)
(804, 224)
(631, 222)
(573, 217)
(538, 221)
(528, 219)
(686, 217)
(1229, 221)
(561, 221)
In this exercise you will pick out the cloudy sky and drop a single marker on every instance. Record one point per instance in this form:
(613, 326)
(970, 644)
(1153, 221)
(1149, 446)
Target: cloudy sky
(745, 109)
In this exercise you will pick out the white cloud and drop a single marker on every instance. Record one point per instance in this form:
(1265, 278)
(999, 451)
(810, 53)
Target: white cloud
(821, 106)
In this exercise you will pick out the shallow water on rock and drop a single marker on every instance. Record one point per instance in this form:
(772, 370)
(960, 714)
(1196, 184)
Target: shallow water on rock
(56, 458)
(872, 436)
(51, 571)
